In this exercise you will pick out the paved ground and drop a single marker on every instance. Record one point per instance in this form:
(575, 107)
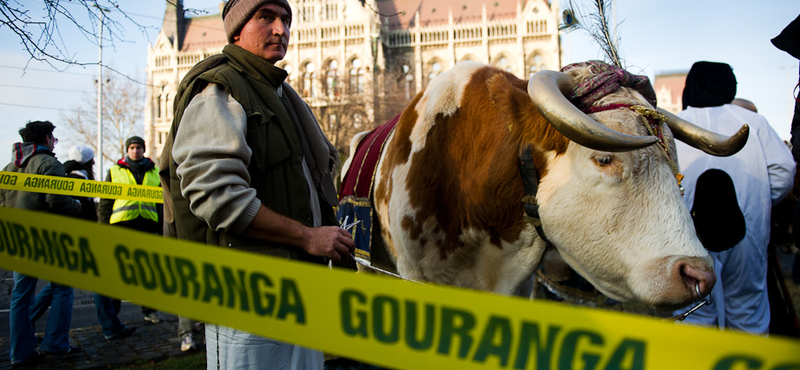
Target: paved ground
(150, 341)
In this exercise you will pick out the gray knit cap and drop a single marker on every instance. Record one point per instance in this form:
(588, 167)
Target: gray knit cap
(237, 12)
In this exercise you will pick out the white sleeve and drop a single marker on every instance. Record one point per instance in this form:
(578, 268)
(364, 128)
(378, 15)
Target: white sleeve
(212, 157)
(780, 163)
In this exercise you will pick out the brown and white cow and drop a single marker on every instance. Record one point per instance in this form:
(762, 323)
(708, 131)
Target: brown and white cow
(448, 188)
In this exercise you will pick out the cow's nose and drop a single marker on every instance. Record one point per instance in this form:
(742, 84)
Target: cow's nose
(702, 279)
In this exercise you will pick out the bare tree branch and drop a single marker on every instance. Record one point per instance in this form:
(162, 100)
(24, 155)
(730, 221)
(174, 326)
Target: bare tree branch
(123, 110)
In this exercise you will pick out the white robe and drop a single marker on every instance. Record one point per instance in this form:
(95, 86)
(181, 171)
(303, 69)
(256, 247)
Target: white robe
(763, 173)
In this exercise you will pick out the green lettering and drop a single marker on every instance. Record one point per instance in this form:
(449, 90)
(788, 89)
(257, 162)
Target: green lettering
(54, 250)
(728, 363)
(570, 346)
(379, 312)
(236, 286)
(171, 286)
(22, 240)
(496, 341)
(413, 324)
(211, 284)
(87, 257)
(346, 303)
(67, 244)
(146, 274)
(291, 302)
(631, 353)
(456, 322)
(39, 250)
(187, 274)
(256, 281)
(529, 334)
(5, 245)
(126, 272)
(27, 181)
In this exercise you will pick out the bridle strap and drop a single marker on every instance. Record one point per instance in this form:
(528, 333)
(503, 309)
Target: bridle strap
(530, 181)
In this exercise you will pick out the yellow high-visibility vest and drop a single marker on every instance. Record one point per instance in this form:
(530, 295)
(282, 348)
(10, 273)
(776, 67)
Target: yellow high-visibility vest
(126, 210)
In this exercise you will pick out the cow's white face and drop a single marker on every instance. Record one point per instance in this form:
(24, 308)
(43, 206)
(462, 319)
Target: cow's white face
(619, 219)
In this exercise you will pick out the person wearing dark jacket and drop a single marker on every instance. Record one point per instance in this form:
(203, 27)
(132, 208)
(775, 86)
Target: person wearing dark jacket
(79, 166)
(134, 169)
(251, 169)
(34, 155)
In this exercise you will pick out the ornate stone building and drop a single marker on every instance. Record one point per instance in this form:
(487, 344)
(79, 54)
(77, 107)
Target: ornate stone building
(359, 63)
(669, 90)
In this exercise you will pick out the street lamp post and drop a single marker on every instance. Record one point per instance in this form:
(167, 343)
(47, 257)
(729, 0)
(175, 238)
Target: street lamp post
(100, 97)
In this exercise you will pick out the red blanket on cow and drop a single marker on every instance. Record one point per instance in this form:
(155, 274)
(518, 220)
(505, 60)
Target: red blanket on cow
(355, 193)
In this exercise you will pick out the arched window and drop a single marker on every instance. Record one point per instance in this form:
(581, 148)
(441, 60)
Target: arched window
(408, 80)
(536, 64)
(504, 64)
(433, 70)
(309, 75)
(158, 107)
(332, 79)
(358, 121)
(289, 76)
(167, 107)
(356, 75)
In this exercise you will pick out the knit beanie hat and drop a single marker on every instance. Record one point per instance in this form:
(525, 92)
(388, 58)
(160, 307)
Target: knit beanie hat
(237, 12)
(134, 140)
(81, 154)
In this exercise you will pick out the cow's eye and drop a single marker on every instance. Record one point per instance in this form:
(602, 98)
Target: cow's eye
(604, 161)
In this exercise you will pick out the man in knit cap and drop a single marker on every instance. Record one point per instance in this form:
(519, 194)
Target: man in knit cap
(250, 169)
(134, 169)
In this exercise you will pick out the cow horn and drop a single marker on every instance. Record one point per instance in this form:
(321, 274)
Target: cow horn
(707, 141)
(547, 90)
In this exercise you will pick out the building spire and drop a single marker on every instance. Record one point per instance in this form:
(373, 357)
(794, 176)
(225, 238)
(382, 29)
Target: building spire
(172, 25)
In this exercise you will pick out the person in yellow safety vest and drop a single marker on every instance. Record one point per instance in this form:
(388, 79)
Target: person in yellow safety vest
(136, 169)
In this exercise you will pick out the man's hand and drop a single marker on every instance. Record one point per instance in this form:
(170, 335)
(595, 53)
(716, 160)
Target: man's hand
(328, 241)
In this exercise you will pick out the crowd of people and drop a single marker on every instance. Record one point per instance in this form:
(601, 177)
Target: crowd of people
(246, 166)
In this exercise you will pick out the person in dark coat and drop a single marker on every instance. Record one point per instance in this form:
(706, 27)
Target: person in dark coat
(80, 166)
(34, 155)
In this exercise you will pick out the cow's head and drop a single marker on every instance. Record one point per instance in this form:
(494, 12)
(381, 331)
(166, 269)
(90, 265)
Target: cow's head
(611, 202)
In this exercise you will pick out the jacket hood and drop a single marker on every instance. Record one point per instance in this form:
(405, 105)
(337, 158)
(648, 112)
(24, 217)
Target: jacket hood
(22, 152)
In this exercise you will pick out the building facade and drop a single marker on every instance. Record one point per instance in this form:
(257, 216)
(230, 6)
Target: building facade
(669, 90)
(358, 63)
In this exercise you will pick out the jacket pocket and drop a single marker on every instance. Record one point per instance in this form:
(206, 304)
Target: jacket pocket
(267, 140)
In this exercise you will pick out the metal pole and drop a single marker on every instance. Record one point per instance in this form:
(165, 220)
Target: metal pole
(614, 20)
(99, 155)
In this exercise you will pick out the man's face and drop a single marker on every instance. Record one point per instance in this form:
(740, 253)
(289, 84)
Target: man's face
(50, 142)
(266, 34)
(135, 152)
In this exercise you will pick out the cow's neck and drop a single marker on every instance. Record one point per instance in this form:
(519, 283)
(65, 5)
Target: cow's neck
(530, 180)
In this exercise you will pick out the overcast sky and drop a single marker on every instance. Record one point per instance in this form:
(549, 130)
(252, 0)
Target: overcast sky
(656, 36)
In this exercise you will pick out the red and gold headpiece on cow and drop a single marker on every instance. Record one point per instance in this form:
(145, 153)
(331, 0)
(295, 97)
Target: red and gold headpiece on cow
(606, 79)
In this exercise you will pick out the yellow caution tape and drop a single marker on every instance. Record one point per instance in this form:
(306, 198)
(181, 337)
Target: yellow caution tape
(378, 320)
(78, 187)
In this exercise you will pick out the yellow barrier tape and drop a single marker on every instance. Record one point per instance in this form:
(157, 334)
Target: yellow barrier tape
(78, 187)
(378, 320)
